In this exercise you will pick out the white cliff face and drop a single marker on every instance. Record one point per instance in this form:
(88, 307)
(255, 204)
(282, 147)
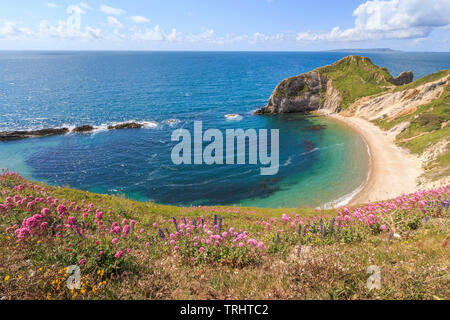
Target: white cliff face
(332, 99)
(392, 105)
(395, 104)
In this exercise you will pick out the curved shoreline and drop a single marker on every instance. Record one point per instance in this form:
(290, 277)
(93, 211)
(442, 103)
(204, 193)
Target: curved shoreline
(393, 171)
(347, 198)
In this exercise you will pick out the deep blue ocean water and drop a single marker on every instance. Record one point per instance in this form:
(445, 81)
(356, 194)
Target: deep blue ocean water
(55, 89)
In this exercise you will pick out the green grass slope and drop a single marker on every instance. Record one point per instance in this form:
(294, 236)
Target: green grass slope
(265, 253)
(356, 77)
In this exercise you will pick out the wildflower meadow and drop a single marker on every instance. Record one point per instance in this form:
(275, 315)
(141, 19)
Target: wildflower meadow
(123, 249)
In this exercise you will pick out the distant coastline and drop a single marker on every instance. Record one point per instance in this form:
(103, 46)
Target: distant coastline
(368, 50)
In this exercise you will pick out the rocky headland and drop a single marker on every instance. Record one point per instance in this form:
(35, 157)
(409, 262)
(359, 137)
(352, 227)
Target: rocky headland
(331, 87)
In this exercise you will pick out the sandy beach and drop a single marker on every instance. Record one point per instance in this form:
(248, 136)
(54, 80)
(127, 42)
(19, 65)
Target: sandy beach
(393, 170)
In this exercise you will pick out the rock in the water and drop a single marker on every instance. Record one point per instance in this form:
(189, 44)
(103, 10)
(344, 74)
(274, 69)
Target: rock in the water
(128, 125)
(403, 78)
(17, 135)
(10, 136)
(85, 128)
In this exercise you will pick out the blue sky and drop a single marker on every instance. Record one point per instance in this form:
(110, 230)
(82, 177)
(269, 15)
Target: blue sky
(413, 25)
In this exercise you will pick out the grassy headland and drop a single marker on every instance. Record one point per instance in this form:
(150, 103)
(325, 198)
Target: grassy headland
(356, 77)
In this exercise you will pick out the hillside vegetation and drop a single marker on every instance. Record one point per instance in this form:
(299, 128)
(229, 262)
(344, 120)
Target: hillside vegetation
(334, 87)
(135, 250)
(356, 77)
(427, 129)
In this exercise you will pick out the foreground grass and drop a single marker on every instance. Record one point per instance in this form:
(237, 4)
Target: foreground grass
(251, 254)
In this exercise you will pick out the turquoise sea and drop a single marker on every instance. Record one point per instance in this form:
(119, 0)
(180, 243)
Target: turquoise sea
(55, 89)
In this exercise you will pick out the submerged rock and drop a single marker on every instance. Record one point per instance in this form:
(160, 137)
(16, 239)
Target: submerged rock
(128, 125)
(18, 135)
(316, 127)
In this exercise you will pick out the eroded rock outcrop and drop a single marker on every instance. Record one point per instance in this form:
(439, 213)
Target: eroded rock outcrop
(395, 104)
(297, 94)
(403, 78)
(17, 135)
(127, 125)
(82, 129)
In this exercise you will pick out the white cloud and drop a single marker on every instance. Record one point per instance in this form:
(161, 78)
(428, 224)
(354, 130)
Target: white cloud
(119, 35)
(110, 10)
(174, 36)
(257, 37)
(113, 22)
(51, 5)
(140, 19)
(207, 36)
(85, 5)
(418, 41)
(75, 8)
(92, 33)
(393, 19)
(154, 34)
(9, 29)
(63, 31)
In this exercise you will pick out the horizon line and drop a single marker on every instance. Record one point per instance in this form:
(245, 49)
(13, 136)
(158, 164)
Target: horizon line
(374, 50)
